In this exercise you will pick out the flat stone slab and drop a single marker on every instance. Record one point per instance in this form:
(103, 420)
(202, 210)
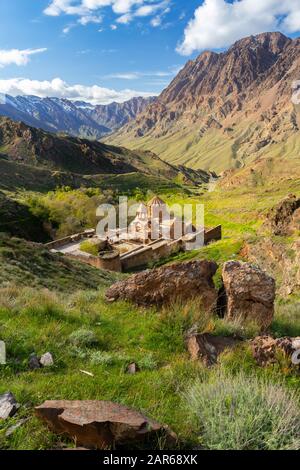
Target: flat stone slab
(101, 424)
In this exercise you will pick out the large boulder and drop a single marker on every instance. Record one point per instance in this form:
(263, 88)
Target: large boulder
(207, 348)
(164, 286)
(102, 424)
(250, 293)
(266, 350)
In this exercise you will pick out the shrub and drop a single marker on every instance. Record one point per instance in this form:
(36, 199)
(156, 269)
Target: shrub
(244, 413)
(102, 358)
(79, 353)
(83, 338)
(147, 362)
(187, 316)
(238, 327)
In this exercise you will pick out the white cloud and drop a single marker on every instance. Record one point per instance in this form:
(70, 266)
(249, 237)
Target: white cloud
(218, 23)
(156, 21)
(60, 89)
(126, 10)
(125, 19)
(68, 28)
(138, 75)
(17, 56)
(84, 20)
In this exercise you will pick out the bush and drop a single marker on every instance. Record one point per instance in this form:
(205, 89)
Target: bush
(102, 358)
(187, 316)
(238, 327)
(244, 413)
(147, 362)
(83, 338)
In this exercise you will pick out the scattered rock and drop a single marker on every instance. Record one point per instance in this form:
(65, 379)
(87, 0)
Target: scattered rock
(163, 286)
(101, 424)
(132, 368)
(34, 362)
(250, 293)
(8, 405)
(265, 349)
(47, 360)
(207, 347)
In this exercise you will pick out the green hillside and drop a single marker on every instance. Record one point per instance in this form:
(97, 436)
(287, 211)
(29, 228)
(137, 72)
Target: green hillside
(30, 264)
(216, 150)
(50, 303)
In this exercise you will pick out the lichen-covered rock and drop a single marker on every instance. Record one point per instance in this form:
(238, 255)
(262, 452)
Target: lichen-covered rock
(266, 349)
(102, 424)
(250, 293)
(166, 285)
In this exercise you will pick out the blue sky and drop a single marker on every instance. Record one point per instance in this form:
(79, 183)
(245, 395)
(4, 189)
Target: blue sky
(101, 50)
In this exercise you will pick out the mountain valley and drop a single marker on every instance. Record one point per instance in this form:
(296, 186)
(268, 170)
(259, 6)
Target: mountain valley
(227, 111)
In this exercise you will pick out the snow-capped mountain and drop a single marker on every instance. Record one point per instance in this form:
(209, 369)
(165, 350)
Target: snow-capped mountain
(74, 118)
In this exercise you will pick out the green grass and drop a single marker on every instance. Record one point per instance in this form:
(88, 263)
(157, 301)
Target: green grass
(39, 321)
(89, 247)
(84, 332)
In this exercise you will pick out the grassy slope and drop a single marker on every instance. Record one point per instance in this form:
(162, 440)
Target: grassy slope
(38, 320)
(16, 177)
(30, 264)
(241, 212)
(216, 150)
(16, 219)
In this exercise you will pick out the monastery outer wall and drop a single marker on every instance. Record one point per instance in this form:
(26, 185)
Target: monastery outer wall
(158, 250)
(111, 264)
(70, 239)
(153, 252)
(139, 257)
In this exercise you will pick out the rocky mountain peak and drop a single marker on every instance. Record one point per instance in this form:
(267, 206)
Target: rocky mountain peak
(274, 42)
(224, 109)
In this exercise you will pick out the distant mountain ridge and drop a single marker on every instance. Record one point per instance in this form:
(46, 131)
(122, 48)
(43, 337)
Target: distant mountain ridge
(38, 150)
(79, 119)
(225, 110)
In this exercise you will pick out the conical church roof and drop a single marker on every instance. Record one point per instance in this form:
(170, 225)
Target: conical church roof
(156, 201)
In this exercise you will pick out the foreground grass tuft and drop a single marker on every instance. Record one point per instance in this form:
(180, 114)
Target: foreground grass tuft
(244, 413)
